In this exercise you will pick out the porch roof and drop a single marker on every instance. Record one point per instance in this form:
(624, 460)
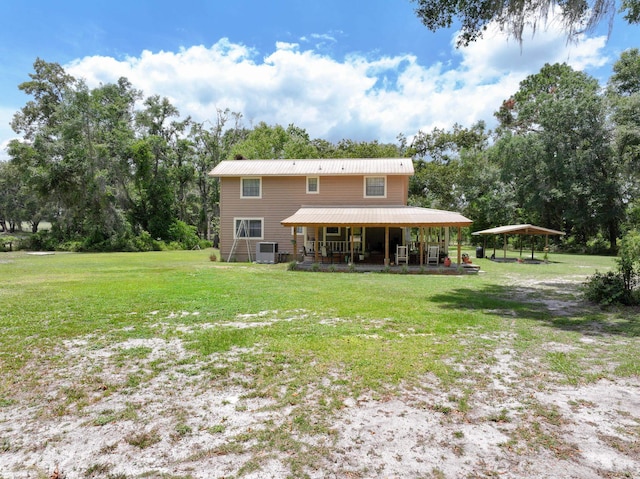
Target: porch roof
(519, 230)
(370, 216)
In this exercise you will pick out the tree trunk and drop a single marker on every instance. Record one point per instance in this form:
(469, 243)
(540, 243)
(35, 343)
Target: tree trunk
(613, 236)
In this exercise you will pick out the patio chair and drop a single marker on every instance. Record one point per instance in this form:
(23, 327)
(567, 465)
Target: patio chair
(402, 254)
(433, 255)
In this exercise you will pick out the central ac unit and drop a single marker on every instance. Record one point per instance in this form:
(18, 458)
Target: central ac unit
(266, 252)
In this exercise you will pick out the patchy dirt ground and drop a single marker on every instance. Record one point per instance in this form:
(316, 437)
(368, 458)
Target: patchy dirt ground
(139, 409)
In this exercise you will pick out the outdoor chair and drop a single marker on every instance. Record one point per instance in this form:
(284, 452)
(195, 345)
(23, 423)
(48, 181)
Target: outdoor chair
(433, 255)
(402, 254)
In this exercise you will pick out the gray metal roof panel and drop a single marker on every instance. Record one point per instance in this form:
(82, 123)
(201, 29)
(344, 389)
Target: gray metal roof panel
(374, 215)
(314, 167)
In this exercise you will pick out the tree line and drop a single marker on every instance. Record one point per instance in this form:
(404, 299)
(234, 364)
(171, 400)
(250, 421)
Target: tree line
(565, 155)
(112, 170)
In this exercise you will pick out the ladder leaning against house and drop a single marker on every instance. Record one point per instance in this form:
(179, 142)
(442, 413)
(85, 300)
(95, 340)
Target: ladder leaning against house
(241, 232)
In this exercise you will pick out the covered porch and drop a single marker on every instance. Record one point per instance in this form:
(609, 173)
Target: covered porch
(376, 235)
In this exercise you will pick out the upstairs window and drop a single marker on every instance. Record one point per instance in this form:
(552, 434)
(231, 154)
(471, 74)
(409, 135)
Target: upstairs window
(375, 187)
(313, 185)
(251, 188)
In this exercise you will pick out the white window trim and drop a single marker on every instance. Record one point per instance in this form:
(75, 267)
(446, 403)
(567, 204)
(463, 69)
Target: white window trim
(317, 183)
(326, 231)
(240, 218)
(259, 178)
(364, 183)
(302, 230)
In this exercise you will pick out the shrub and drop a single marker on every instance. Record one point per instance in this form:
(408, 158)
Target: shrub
(41, 241)
(143, 242)
(619, 286)
(72, 246)
(605, 288)
(598, 245)
(629, 262)
(183, 234)
(5, 239)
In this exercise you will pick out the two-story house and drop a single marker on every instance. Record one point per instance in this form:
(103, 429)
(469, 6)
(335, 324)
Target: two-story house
(351, 209)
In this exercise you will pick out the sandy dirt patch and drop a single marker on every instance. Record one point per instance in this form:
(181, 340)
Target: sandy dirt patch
(150, 408)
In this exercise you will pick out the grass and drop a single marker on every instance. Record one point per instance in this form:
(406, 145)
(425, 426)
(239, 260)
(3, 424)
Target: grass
(379, 319)
(290, 335)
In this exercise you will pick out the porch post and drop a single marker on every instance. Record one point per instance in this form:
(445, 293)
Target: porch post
(421, 252)
(316, 246)
(351, 261)
(295, 243)
(459, 245)
(386, 246)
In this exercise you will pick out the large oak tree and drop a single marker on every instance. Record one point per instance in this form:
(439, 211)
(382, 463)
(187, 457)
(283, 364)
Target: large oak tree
(514, 16)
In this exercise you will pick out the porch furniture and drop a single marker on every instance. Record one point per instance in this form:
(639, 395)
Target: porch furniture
(326, 254)
(402, 254)
(433, 255)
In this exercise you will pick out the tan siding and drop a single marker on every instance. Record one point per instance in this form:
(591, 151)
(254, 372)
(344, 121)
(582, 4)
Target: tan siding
(283, 196)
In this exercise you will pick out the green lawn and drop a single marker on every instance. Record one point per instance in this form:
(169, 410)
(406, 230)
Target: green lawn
(288, 335)
(48, 299)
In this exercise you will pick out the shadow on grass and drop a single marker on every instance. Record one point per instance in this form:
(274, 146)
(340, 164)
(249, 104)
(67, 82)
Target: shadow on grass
(554, 310)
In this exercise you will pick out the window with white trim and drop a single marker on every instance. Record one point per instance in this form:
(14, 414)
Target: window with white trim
(313, 184)
(375, 187)
(248, 228)
(251, 188)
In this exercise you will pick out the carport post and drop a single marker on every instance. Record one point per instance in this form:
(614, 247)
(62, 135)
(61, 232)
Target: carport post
(533, 245)
(504, 242)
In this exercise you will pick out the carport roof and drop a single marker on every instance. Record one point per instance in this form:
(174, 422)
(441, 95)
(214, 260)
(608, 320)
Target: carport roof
(370, 216)
(519, 230)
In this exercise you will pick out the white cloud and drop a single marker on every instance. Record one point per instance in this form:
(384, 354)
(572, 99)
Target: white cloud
(359, 98)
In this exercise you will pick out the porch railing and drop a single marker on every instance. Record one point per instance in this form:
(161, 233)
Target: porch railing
(333, 246)
(345, 246)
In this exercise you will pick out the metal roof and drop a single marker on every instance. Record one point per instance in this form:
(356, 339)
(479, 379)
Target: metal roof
(519, 230)
(398, 216)
(315, 167)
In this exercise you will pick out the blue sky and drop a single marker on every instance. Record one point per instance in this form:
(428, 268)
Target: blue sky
(331, 67)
